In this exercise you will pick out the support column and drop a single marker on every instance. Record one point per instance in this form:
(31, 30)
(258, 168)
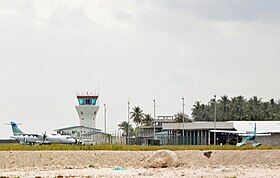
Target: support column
(202, 137)
(209, 141)
(190, 137)
(198, 137)
(205, 137)
(186, 138)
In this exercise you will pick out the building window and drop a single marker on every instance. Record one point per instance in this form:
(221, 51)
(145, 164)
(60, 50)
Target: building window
(82, 113)
(82, 118)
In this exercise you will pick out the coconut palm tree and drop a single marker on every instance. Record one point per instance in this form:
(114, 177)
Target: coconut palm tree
(137, 115)
(180, 117)
(124, 127)
(196, 111)
(148, 120)
(225, 107)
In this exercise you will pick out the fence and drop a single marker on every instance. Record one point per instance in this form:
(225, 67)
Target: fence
(171, 140)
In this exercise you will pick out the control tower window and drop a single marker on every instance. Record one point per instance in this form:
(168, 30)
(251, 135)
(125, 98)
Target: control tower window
(87, 101)
(82, 101)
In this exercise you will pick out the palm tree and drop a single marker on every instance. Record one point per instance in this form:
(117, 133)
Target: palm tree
(237, 107)
(124, 127)
(196, 111)
(137, 115)
(224, 101)
(180, 117)
(254, 108)
(272, 109)
(148, 120)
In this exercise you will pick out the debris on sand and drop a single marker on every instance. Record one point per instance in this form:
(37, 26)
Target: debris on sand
(208, 154)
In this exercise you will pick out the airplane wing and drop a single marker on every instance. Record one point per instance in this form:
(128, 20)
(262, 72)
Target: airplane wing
(244, 133)
(248, 135)
(268, 131)
(228, 131)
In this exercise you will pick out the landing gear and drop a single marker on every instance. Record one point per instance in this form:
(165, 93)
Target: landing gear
(256, 144)
(243, 142)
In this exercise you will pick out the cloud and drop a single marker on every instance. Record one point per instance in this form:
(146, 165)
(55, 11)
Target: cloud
(223, 10)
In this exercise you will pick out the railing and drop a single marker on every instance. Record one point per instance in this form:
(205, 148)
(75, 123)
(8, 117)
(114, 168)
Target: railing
(171, 140)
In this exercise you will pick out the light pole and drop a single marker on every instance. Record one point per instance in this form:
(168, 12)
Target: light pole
(105, 118)
(183, 120)
(154, 120)
(215, 115)
(128, 117)
(105, 123)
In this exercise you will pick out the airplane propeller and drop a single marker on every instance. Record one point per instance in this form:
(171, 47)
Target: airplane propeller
(44, 136)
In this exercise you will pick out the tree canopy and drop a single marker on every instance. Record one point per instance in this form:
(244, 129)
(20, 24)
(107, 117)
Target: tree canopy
(237, 109)
(137, 115)
(147, 120)
(180, 117)
(123, 126)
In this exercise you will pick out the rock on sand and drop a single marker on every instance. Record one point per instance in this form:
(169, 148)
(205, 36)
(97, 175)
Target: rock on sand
(162, 158)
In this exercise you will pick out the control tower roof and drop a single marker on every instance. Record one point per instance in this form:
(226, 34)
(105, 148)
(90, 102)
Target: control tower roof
(87, 96)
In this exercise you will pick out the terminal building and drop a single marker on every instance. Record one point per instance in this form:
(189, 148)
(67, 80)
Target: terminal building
(198, 133)
(87, 111)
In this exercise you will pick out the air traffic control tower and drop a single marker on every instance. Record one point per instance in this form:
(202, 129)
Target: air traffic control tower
(87, 109)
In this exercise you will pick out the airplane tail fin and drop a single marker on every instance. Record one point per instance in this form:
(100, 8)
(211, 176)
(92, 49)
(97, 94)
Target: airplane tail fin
(16, 130)
(255, 129)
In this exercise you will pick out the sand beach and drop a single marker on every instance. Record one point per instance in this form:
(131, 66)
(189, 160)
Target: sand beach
(222, 163)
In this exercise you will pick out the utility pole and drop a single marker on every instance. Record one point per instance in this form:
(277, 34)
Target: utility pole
(183, 120)
(105, 118)
(154, 121)
(215, 115)
(128, 118)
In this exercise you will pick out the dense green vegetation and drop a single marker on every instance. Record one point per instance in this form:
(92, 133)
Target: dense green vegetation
(10, 147)
(237, 109)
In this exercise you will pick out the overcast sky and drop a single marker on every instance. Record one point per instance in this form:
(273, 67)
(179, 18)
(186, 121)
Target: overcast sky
(145, 50)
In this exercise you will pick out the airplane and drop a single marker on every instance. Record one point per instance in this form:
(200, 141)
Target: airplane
(247, 135)
(31, 139)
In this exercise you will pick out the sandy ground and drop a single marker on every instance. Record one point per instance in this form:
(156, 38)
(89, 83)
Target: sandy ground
(251, 163)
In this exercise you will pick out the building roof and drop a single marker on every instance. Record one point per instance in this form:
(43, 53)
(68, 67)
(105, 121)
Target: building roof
(73, 127)
(150, 127)
(229, 125)
(93, 132)
(197, 126)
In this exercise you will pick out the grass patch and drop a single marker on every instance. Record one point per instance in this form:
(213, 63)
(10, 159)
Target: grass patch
(8, 147)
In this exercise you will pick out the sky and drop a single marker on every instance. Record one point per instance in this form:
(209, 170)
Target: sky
(137, 50)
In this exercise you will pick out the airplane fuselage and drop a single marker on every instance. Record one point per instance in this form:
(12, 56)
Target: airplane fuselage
(27, 139)
(61, 139)
(251, 138)
(36, 139)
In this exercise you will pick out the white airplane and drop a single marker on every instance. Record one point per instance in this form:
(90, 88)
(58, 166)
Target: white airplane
(247, 135)
(31, 139)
